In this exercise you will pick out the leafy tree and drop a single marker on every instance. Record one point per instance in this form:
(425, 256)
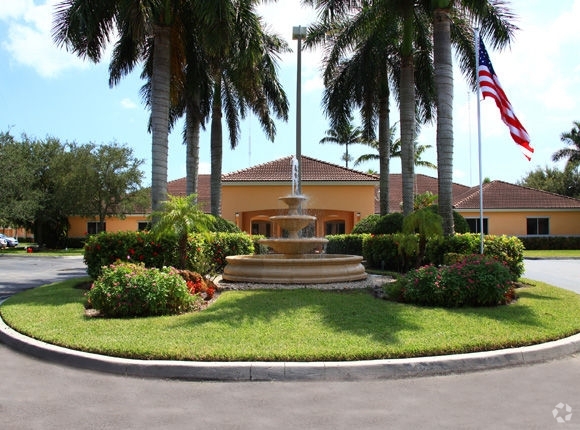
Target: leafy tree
(572, 152)
(106, 179)
(48, 181)
(553, 180)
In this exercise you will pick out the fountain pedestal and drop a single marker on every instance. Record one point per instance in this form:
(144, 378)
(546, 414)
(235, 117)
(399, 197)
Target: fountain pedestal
(293, 261)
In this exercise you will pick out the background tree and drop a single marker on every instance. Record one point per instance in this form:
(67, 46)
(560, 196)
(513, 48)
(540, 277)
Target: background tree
(50, 180)
(572, 152)
(106, 179)
(553, 180)
(345, 134)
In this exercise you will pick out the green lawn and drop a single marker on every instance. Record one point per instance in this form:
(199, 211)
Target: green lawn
(296, 325)
(552, 253)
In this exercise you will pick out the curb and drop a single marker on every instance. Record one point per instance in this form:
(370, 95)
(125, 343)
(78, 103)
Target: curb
(292, 371)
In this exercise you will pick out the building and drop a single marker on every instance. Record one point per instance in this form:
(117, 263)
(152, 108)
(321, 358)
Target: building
(340, 197)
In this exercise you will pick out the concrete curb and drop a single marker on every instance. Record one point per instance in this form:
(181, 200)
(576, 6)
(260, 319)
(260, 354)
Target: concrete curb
(293, 371)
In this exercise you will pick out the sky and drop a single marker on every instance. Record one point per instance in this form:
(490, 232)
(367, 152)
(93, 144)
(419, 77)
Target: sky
(46, 91)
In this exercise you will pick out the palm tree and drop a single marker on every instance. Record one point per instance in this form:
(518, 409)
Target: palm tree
(345, 135)
(494, 18)
(572, 153)
(86, 28)
(244, 75)
(395, 152)
(363, 61)
(180, 216)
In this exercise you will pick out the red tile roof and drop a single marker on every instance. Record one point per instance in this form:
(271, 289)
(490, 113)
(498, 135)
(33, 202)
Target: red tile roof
(312, 170)
(503, 195)
(496, 194)
(178, 187)
(423, 183)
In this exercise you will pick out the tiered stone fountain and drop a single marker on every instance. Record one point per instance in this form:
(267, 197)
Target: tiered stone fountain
(294, 261)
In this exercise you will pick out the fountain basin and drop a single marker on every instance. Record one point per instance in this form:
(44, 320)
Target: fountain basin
(293, 223)
(294, 269)
(295, 246)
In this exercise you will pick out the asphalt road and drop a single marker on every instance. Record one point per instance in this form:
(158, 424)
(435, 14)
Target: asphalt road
(41, 395)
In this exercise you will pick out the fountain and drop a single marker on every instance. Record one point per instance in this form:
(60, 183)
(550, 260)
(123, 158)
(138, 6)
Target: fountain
(293, 260)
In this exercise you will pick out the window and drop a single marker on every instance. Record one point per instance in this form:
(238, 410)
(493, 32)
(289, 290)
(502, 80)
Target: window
(538, 226)
(334, 227)
(143, 225)
(93, 227)
(263, 228)
(475, 225)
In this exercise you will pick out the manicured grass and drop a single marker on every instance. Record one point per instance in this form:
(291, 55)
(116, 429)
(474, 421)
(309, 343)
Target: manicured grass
(552, 253)
(296, 325)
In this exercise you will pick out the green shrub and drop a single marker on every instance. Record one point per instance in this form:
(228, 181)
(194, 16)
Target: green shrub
(508, 249)
(206, 251)
(551, 242)
(350, 244)
(222, 225)
(459, 223)
(366, 225)
(132, 290)
(105, 248)
(389, 224)
(476, 280)
(438, 247)
(382, 252)
(211, 249)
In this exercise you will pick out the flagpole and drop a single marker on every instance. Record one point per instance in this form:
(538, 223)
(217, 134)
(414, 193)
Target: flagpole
(476, 37)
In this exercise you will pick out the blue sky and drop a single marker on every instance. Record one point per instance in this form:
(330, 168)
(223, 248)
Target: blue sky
(45, 91)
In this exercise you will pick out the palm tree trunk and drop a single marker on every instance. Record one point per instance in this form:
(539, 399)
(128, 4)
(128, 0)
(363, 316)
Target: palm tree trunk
(160, 116)
(444, 88)
(216, 152)
(192, 138)
(407, 108)
(384, 154)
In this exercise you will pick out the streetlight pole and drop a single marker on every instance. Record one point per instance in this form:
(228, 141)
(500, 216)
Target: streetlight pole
(298, 33)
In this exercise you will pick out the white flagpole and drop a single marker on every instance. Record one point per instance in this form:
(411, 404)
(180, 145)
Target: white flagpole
(476, 36)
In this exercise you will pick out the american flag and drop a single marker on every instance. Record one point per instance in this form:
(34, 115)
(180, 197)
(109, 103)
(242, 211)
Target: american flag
(490, 86)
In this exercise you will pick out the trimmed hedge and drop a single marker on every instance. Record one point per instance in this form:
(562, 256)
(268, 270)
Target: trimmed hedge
(207, 251)
(350, 244)
(551, 242)
(382, 251)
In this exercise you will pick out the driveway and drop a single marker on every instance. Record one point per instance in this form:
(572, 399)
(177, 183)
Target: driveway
(41, 395)
(563, 273)
(21, 272)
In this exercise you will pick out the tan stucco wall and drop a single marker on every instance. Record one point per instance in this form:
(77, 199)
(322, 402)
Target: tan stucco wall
(515, 224)
(78, 225)
(331, 202)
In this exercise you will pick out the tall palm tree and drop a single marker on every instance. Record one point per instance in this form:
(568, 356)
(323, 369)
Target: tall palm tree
(572, 152)
(244, 75)
(86, 27)
(363, 61)
(494, 18)
(345, 135)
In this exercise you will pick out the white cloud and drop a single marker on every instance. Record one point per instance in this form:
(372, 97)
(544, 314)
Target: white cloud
(29, 39)
(127, 103)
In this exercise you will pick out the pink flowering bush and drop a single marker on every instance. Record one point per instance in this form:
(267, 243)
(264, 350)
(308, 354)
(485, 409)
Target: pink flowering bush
(475, 280)
(132, 290)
